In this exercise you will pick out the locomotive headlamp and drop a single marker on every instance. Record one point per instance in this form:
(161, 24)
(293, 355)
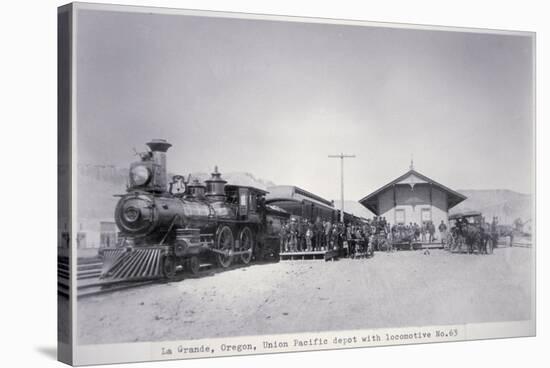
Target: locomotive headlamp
(131, 214)
(139, 175)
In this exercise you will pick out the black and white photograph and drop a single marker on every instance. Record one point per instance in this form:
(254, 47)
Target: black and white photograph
(290, 184)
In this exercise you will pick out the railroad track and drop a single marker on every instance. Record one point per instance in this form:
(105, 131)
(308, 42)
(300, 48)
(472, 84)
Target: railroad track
(105, 287)
(87, 268)
(89, 284)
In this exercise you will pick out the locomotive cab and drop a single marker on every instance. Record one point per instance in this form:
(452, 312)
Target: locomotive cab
(247, 199)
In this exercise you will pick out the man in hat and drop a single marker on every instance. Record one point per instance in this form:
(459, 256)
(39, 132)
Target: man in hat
(283, 237)
(318, 232)
(309, 236)
(293, 236)
(443, 233)
(328, 235)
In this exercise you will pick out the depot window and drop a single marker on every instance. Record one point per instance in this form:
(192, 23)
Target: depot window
(400, 216)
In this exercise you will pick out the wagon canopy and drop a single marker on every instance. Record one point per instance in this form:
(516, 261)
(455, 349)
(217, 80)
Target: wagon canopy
(464, 214)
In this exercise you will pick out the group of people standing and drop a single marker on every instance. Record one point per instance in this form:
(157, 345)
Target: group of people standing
(424, 233)
(302, 235)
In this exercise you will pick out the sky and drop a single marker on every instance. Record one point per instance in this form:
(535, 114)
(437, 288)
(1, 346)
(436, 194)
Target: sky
(276, 98)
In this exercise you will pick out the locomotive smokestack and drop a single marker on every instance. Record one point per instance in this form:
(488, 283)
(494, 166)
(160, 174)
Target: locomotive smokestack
(158, 149)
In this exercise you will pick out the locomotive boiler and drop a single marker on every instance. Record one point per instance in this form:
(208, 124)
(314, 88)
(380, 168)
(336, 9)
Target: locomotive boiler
(167, 225)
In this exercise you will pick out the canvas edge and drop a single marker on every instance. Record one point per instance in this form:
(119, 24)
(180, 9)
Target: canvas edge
(65, 353)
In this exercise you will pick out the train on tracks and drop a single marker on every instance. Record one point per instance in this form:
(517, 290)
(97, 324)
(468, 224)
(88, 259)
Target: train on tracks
(166, 226)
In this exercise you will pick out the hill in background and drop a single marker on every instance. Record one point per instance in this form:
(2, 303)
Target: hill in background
(506, 204)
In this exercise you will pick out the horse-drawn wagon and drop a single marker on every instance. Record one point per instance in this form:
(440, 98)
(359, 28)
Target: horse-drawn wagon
(470, 233)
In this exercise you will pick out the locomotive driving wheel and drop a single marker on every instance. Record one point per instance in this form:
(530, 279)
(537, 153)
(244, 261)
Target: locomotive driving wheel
(225, 243)
(246, 242)
(169, 266)
(194, 265)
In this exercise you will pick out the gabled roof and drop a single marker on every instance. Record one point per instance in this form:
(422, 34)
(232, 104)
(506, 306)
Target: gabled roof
(411, 177)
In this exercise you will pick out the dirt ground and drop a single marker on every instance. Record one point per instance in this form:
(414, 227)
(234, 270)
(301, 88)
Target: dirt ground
(390, 290)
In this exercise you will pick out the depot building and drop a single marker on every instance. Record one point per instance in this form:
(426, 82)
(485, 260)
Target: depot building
(413, 198)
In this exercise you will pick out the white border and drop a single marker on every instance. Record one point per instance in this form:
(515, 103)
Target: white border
(218, 347)
(287, 18)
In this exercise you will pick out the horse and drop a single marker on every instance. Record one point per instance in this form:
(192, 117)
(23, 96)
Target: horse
(477, 239)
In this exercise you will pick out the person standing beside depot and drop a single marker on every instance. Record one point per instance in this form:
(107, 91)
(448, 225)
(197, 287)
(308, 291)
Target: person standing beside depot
(443, 233)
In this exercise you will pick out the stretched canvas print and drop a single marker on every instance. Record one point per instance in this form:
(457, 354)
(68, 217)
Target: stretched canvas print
(235, 184)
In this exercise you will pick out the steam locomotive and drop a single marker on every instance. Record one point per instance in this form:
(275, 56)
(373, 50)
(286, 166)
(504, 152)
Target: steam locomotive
(168, 226)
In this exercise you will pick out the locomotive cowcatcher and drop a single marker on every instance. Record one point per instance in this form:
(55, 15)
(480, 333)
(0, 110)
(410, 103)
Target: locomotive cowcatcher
(166, 226)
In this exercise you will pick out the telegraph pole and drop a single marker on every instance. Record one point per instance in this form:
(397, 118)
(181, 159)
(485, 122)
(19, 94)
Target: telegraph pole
(341, 156)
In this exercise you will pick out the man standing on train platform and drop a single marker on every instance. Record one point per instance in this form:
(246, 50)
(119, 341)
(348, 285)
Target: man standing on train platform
(283, 237)
(333, 241)
(309, 236)
(302, 227)
(318, 231)
(293, 236)
(328, 231)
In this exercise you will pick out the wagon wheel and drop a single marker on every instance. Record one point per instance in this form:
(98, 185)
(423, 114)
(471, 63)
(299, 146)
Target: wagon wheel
(194, 265)
(246, 241)
(225, 242)
(169, 266)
